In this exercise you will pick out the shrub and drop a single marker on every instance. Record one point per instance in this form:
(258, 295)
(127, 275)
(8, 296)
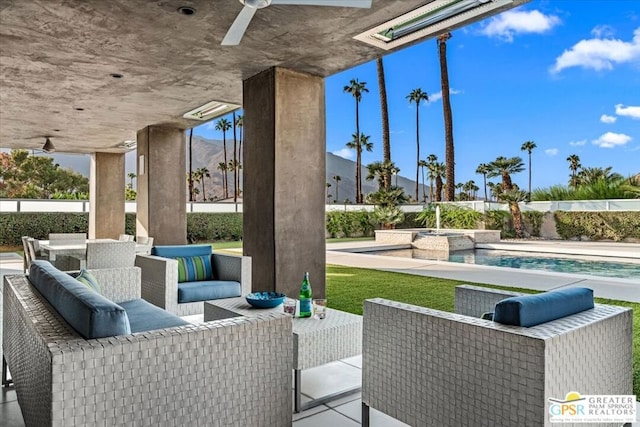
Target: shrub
(349, 223)
(598, 225)
(533, 221)
(450, 217)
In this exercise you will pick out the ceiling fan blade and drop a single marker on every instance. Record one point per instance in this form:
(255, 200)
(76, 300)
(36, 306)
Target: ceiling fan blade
(339, 3)
(239, 26)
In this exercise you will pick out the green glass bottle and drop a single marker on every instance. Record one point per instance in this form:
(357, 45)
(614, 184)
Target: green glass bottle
(305, 297)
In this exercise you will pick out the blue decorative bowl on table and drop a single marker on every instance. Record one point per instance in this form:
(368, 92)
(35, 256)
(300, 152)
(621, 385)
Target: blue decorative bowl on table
(265, 299)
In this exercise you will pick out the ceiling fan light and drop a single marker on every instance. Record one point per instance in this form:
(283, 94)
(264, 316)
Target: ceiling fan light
(48, 146)
(256, 4)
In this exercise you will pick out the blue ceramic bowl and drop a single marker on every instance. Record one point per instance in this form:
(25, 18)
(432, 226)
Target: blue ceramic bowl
(265, 299)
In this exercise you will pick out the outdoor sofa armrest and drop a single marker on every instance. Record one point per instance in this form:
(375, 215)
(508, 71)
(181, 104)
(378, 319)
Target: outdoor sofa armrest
(159, 281)
(233, 267)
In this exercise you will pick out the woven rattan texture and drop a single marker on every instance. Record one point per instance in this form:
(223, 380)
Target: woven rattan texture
(160, 280)
(475, 300)
(106, 255)
(431, 368)
(233, 372)
(315, 342)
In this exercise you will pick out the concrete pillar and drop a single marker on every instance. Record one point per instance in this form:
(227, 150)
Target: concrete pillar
(106, 195)
(284, 180)
(161, 199)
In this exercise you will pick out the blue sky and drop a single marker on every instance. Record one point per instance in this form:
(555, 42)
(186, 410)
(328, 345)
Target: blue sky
(564, 74)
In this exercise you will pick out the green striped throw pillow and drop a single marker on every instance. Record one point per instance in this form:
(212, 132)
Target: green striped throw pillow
(194, 268)
(89, 281)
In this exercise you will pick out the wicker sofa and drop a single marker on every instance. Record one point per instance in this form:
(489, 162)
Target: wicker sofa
(224, 373)
(231, 277)
(432, 368)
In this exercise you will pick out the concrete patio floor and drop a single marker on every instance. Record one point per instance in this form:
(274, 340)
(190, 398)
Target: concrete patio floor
(345, 374)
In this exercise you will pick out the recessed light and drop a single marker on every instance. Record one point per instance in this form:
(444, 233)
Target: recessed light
(56, 130)
(116, 75)
(79, 109)
(186, 10)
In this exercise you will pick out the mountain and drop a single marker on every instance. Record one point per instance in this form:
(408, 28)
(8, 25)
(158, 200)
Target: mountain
(209, 152)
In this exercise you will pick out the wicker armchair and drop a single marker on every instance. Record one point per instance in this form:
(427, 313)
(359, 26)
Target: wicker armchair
(160, 280)
(234, 372)
(431, 368)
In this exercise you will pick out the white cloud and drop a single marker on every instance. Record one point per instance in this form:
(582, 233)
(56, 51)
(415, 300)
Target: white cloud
(512, 22)
(608, 119)
(601, 31)
(345, 153)
(629, 111)
(611, 140)
(438, 95)
(551, 151)
(599, 53)
(578, 143)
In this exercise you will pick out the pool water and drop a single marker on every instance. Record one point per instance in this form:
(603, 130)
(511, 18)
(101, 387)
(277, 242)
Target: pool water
(595, 266)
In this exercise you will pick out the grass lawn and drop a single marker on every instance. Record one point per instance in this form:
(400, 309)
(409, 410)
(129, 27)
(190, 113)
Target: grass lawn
(347, 287)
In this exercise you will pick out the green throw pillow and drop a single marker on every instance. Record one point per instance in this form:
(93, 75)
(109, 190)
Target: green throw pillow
(194, 268)
(89, 281)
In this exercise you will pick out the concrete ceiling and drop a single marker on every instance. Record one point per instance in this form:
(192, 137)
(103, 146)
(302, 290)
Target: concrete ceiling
(57, 56)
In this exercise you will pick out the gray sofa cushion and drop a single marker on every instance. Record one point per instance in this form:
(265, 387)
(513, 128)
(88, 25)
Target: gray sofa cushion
(88, 312)
(207, 290)
(144, 316)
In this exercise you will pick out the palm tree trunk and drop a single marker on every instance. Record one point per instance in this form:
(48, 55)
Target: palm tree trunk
(358, 155)
(438, 189)
(417, 145)
(448, 119)
(235, 161)
(424, 193)
(384, 110)
(191, 165)
(529, 196)
(517, 218)
(224, 149)
(484, 178)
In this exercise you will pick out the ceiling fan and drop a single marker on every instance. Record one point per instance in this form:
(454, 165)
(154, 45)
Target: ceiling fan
(239, 26)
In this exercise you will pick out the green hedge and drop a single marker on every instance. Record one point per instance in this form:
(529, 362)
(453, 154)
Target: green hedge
(598, 225)
(201, 227)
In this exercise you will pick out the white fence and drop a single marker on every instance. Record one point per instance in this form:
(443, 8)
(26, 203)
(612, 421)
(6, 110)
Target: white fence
(33, 205)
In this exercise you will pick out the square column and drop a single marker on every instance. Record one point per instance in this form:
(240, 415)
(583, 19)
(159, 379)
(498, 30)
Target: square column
(284, 180)
(161, 200)
(106, 195)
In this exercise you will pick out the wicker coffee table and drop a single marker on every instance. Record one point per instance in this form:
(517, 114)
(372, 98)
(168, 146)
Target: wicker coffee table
(315, 342)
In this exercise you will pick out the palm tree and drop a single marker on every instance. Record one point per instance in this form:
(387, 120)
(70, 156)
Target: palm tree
(417, 96)
(337, 179)
(131, 176)
(384, 113)
(197, 176)
(375, 170)
(504, 168)
(482, 169)
(574, 165)
(359, 144)
(190, 176)
(328, 187)
(423, 164)
(203, 173)
(222, 167)
(590, 175)
(528, 146)
(239, 123)
(448, 116)
(395, 171)
(438, 170)
(224, 125)
(356, 89)
(234, 162)
(432, 159)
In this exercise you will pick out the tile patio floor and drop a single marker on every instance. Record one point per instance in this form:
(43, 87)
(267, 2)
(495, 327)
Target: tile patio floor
(345, 374)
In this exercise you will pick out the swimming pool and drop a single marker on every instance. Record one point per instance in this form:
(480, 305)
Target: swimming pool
(595, 266)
